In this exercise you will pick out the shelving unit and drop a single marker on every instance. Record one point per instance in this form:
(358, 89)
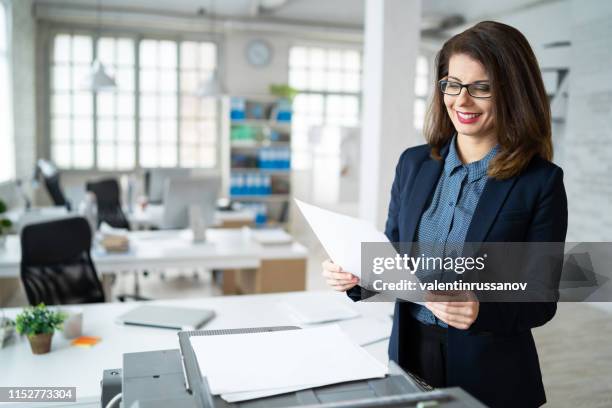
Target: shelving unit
(259, 147)
(261, 197)
(257, 144)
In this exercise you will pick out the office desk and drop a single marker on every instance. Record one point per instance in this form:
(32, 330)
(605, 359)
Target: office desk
(152, 215)
(20, 217)
(270, 268)
(82, 367)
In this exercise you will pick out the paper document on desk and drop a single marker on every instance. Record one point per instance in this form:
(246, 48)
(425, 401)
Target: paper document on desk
(319, 309)
(246, 366)
(341, 235)
(275, 236)
(367, 330)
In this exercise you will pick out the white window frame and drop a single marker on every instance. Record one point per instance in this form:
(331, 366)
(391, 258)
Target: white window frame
(137, 36)
(325, 94)
(422, 98)
(116, 117)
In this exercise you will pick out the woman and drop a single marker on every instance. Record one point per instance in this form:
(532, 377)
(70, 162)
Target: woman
(484, 176)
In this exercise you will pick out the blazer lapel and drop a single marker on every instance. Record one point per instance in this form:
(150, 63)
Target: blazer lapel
(424, 185)
(489, 204)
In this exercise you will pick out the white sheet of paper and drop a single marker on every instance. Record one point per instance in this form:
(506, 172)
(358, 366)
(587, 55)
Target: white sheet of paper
(367, 330)
(341, 235)
(248, 395)
(318, 356)
(361, 330)
(375, 308)
(318, 309)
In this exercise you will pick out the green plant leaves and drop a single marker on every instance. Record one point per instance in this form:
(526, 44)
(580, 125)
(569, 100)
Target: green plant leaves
(39, 320)
(283, 91)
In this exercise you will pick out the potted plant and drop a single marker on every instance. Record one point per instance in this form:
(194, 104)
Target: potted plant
(39, 323)
(5, 224)
(283, 91)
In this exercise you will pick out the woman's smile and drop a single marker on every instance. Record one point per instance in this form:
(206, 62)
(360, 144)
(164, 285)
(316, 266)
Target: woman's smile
(467, 117)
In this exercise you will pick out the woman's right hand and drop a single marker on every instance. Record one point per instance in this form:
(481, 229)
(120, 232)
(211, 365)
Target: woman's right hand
(337, 278)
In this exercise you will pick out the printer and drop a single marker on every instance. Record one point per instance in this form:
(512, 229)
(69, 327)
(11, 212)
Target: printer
(172, 378)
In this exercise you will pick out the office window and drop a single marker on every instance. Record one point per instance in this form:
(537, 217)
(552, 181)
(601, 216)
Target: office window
(329, 81)
(421, 91)
(308, 111)
(7, 151)
(342, 110)
(158, 103)
(175, 128)
(115, 116)
(198, 116)
(72, 135)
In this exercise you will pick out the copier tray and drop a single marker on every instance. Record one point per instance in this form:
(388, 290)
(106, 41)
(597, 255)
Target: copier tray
(171, 378)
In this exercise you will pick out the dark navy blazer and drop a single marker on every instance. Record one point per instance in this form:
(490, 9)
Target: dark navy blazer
(495, 359)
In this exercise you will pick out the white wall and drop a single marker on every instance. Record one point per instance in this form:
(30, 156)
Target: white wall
(584, 148)
(23, 36)
(243, 78)
(541, 24)
(544, 24)
(23, 33)
(588, 157)
(24, 87)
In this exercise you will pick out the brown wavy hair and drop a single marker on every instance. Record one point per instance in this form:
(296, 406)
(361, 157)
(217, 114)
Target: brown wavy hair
(520, 105)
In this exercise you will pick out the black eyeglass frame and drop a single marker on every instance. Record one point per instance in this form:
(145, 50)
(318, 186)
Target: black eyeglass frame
(466, 86)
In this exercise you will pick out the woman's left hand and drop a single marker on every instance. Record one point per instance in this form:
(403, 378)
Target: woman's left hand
(457, 309)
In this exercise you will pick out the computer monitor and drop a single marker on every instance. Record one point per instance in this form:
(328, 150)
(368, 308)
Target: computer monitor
(155, 181)
(182, 193)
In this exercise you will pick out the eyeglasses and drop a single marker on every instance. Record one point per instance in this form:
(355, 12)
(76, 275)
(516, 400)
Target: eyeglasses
(477, 90)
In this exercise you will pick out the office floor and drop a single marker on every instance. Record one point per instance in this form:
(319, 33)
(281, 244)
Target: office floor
(575, 351)
(575, 347)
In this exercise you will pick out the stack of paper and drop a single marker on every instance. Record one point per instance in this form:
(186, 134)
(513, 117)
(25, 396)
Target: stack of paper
(246, 366)
(318, 309)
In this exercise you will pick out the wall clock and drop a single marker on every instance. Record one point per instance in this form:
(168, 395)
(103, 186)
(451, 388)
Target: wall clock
(259, 53)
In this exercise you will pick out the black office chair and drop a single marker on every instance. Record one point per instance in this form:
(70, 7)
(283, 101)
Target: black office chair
(109, 203)
(51, 178)
(56, 266)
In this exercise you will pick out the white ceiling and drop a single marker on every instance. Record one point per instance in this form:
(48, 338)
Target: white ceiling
(341, 12)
